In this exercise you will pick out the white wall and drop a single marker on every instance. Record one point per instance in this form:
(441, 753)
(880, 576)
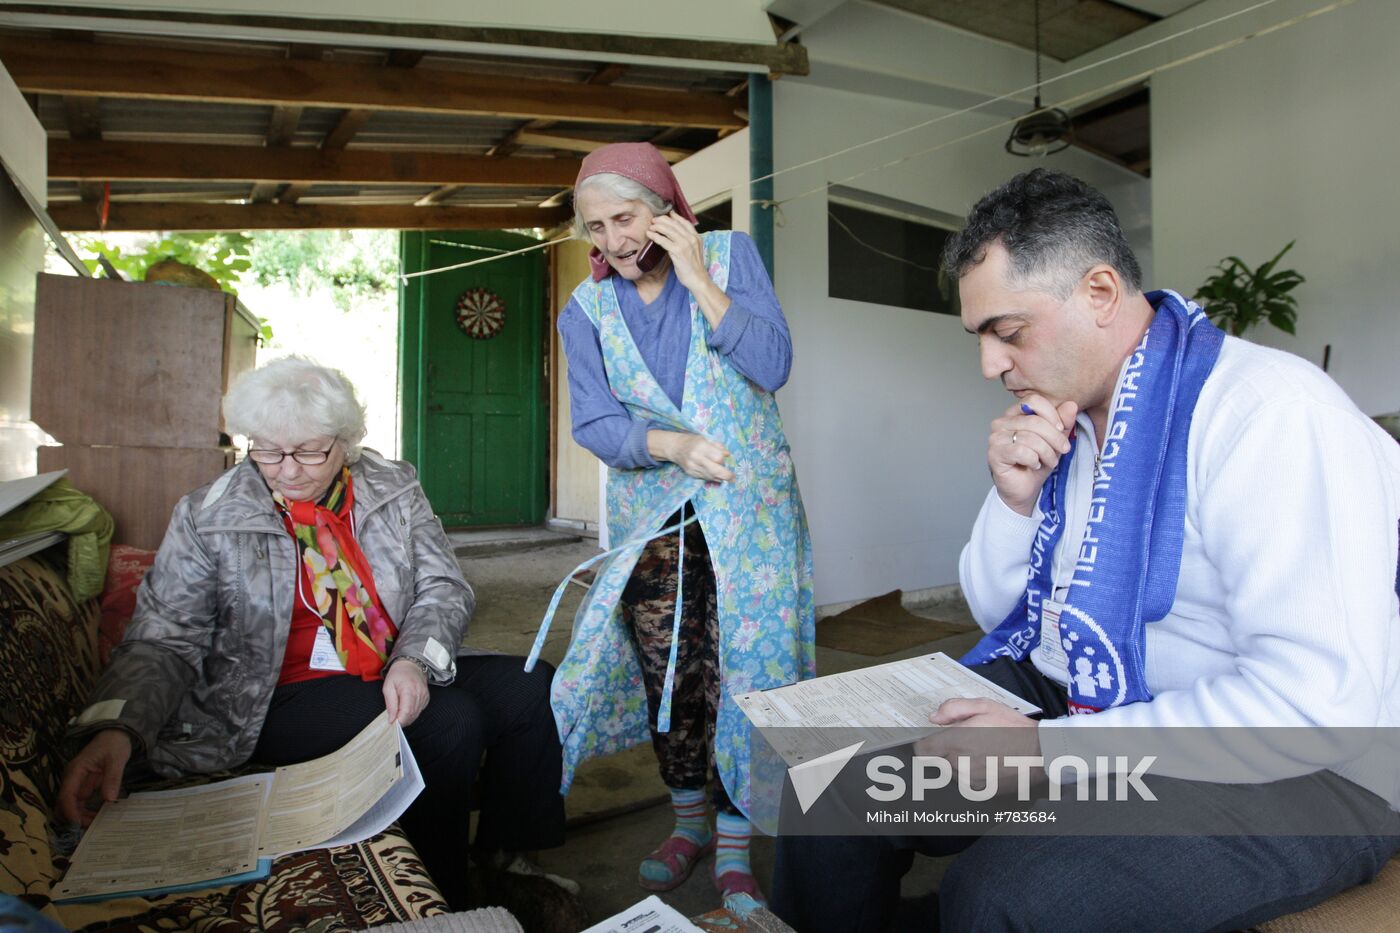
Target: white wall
(717, 172)
(886, 410)
(1293, 135)
(25, 151)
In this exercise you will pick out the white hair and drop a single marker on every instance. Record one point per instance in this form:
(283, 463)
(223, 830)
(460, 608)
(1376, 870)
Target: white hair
(623, 189)
(293, 400)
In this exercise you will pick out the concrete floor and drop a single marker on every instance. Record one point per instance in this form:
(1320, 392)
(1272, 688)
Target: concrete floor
(618, 810)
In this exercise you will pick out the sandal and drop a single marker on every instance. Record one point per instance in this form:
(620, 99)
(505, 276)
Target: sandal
(739, 883)
(675, 860)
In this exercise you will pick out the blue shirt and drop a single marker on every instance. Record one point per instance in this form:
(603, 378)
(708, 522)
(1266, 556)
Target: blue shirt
(753, 336)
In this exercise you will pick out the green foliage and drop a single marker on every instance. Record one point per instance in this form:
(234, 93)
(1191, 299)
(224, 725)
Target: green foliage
(225, 256)
(353, 264)
(1237, 298)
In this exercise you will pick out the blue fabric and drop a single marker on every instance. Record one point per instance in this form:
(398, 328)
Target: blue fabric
(760, 549)
(753, 337)
(1127, 568)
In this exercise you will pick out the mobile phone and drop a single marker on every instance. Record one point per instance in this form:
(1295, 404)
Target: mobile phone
(650, 256)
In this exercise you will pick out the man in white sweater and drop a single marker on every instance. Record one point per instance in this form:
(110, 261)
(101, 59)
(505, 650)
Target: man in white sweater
(1184, 530)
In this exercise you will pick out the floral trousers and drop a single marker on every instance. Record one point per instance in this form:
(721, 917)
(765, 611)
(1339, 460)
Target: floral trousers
(648, 609)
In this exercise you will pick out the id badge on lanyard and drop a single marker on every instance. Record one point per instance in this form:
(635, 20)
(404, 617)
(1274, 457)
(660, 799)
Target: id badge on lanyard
(323, 656)
(1051, 648)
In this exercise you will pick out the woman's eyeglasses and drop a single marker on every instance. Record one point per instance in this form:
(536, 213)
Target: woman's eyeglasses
(304, 457)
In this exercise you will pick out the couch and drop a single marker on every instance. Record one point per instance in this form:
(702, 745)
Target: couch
(49, 661)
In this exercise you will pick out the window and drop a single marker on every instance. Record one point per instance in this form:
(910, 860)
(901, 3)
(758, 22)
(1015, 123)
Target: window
(887, 252)
(716, 217)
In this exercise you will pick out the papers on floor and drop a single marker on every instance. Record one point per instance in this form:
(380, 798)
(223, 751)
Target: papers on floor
(229, 831)
(650, 916)
(13, 494)
(881, 706)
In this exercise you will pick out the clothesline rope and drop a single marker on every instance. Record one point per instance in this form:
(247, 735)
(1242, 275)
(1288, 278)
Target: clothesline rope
(776, 204)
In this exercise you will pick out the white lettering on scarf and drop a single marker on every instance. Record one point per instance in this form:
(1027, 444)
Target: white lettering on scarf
(1103, 473)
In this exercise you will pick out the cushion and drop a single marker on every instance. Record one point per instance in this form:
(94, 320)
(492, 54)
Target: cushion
(380, 880)
(126, 567)
(48, 661)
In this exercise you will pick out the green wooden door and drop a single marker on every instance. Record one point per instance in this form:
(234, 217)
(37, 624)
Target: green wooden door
(474, 407)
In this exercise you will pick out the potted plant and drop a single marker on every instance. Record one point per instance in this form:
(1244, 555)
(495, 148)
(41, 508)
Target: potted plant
(1237, 297)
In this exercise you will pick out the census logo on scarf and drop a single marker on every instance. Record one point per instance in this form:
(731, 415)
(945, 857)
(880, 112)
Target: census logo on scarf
(1126, 570)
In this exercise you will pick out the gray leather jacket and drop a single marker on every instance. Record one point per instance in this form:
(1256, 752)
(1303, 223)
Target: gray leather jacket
(193, 677)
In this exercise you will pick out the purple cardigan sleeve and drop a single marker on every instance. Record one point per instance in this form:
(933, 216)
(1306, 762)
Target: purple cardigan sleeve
(754, 333)
(600, 422)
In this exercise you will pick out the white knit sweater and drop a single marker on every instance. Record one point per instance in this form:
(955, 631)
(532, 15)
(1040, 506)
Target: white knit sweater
(1285, 611)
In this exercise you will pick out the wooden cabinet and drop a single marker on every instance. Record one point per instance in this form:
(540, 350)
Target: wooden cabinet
(138, 485)
(129, 377)
(134, 363)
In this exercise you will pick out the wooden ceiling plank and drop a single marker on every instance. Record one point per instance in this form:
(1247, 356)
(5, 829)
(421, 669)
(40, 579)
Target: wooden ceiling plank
(438, 196)
(150, 73)
(607, 74)
(350, 123)
(584, 145)
(83, 117)
(781, 58)
(110, 160)
(263, 192)
(282, 128)
(404, 58)
(84, 122)
(76, 216)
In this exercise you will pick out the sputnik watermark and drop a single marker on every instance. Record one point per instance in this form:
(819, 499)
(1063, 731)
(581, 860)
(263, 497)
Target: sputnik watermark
(1106, 778)
(932, 773)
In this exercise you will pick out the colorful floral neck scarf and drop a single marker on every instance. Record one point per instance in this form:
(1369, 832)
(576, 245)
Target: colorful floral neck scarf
(342, 583)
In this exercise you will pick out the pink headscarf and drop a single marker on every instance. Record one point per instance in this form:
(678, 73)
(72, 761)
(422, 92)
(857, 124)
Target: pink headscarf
(643, 163)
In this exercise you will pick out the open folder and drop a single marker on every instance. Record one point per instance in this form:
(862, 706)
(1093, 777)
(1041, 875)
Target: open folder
(229, 832)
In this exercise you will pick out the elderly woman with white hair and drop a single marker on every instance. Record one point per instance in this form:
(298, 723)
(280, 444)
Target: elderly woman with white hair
(292, 601)
(676, 344)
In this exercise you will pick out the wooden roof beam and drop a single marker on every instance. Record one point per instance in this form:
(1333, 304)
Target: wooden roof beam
(108, 160)
(345, 129)
(84, 122)
(173, 215)
(281, 129)
(150, 73)
(584, 145)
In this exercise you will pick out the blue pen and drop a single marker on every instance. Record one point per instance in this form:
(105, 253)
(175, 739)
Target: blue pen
(1026, 409)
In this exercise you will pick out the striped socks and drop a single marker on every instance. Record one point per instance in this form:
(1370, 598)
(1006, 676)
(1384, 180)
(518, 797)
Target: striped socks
(691, 822)
(732, 848)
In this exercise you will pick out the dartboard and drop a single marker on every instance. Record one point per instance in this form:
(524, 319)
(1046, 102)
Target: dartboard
(480, 313)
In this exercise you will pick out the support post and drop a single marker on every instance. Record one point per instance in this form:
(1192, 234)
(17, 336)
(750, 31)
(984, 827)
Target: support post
(761, 164)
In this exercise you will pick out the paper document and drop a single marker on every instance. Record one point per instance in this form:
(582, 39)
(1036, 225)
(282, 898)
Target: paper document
(216, 832)
(875, 705)
(168, 839)
(312, 803)
(650, 916)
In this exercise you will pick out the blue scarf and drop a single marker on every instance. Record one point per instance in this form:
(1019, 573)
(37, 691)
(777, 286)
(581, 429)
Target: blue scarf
(1127, 568)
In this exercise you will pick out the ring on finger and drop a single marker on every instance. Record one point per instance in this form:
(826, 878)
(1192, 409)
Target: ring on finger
(1013, 436)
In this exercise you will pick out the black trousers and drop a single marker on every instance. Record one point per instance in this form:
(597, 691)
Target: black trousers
(493, 723)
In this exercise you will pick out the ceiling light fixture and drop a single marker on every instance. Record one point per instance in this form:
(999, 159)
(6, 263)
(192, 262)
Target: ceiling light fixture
(1044, 130)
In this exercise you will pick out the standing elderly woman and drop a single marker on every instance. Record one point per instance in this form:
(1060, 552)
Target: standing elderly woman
(292, 601)
(672, 370)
